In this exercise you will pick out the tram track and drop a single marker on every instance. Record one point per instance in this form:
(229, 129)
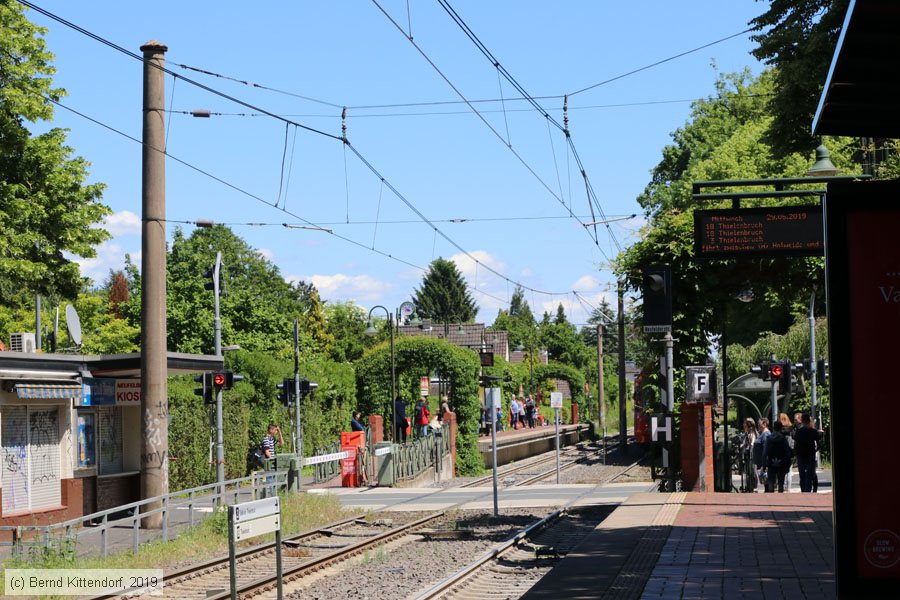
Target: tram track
(507, 471)
(325, 547)
(512, 567)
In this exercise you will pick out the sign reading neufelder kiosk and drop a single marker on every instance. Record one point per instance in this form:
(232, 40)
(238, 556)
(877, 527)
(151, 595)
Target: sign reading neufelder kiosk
(863, 269)
(767, 231)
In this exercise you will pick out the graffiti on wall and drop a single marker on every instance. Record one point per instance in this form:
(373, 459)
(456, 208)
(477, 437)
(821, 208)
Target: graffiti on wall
(44, 445)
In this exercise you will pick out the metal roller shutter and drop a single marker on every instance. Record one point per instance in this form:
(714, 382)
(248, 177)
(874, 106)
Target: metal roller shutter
(14, 436)
(43, 450)
(111, 454)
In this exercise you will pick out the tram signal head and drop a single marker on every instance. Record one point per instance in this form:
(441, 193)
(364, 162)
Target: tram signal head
(219, 379)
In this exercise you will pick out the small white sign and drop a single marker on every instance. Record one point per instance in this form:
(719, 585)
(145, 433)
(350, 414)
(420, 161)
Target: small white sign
(556, 400)
(256, 509)
(128, 392)
(382, 451)
(255, 527)
(493, 397)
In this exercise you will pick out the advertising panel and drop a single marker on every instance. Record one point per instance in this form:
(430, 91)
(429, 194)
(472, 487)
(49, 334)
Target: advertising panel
(863, 276)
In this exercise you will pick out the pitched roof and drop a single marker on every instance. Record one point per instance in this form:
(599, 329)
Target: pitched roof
(465, 335)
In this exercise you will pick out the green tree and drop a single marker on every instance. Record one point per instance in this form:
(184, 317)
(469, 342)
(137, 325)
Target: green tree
(725, 139)
(346, 324)
(315, 324)
(257, 305)
(47, 213)
(518, 321)
(798, 39)
(562, 341)
(601, 315)
(444, 296)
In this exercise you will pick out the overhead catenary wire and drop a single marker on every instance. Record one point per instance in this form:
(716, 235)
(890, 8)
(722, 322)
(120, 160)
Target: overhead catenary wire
(314, 225)
(659, 62)
(483, 111)
(473, 37)
(343, 139)
(484, 120)
(234, 187)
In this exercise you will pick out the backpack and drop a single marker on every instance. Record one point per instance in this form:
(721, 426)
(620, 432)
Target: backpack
(256, 458)
(779, 452)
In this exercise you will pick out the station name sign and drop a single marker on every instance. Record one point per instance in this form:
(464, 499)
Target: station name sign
(767, 231)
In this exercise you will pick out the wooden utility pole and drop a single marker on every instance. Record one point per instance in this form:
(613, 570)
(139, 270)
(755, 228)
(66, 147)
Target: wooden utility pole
(154, 388)
(623, 423)
(601, 397)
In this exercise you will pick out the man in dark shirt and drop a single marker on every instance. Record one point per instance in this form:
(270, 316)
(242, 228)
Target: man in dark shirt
(806, 443)
(400, 425)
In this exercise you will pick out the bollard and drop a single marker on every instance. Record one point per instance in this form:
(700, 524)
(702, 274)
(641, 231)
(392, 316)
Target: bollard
(294, 475)
(385, 464)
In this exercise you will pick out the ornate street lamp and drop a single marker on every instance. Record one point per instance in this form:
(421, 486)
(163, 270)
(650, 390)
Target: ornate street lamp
(370, 330)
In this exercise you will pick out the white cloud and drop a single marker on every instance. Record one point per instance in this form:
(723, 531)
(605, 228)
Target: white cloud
(269, 255)
(469, 268)
(109, 256)
(587, 283)
(526, 272)
(339, 286)
(122, 223)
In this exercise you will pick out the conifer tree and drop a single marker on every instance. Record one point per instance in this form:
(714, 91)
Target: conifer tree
(444, 296)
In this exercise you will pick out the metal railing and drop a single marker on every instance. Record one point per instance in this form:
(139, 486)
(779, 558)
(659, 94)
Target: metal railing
(105, 523)
(325, 471)
(328, 470)
(412, 458)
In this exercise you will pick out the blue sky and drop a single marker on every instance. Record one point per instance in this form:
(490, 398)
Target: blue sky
(449, 165)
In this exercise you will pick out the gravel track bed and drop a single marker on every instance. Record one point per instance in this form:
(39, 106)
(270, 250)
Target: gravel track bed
(403, 568)
(538, 458)
(596, 472)
(522, 566)
(256, 565)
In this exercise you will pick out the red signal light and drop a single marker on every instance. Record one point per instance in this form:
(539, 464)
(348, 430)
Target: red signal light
(777, 371)
(219, 379)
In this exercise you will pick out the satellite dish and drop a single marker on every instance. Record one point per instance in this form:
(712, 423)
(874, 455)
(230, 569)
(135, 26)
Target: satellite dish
(73, 324)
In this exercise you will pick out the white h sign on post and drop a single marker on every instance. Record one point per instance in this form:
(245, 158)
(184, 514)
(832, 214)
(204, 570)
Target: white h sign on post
(661, 427)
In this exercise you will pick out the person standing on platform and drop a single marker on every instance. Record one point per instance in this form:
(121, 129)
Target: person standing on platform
(444, 408)
(787, 430)
(806, 444)
(759, 445)
(777, 458)
(356, 422)
(422, 415)
(529, 412)
(514, 409)
(400, 425)
(747, 463)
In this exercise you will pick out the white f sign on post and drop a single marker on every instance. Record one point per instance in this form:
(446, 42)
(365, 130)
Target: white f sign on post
(701, 385)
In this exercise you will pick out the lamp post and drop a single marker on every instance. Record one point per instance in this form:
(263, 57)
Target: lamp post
(746, 295)
(370, 330)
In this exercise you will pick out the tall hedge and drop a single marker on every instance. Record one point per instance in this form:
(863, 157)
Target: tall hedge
(247, 411)
(420, 356)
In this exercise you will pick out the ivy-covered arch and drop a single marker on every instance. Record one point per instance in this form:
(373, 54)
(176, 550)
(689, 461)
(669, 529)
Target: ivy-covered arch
(420, 356)
(555, 370)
